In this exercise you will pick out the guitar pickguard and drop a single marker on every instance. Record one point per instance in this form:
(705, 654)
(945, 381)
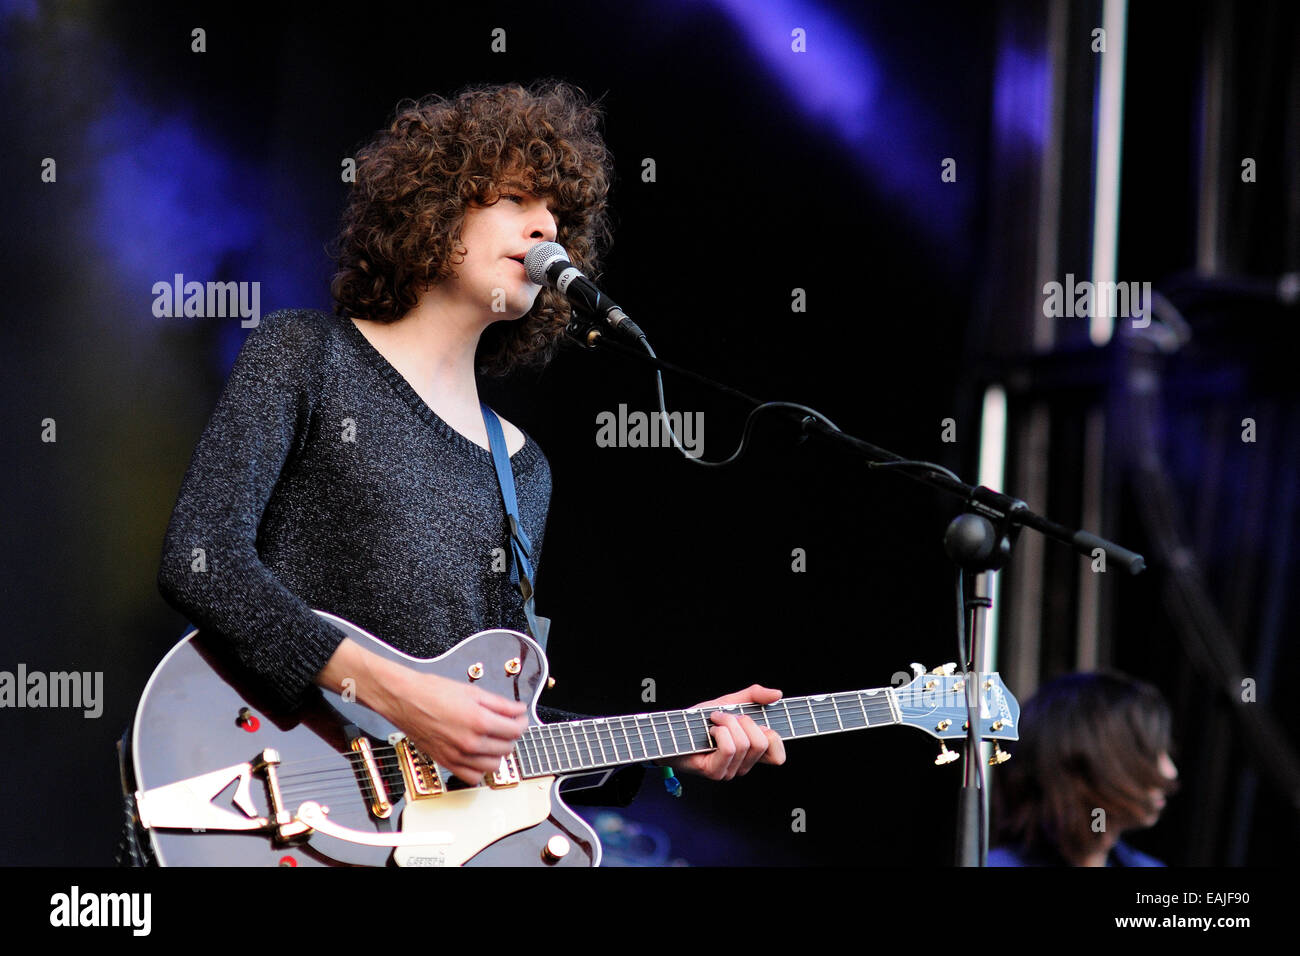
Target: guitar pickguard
(477, 816)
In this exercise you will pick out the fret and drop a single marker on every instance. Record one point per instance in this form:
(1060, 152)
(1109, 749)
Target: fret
(808, 703)
(866, 721)
(659, 747)
(614, 742)
(551, 758)
(672, 733)
(788, 719)
(708, 737)
(763, 711)
(640, 736)
(836, 708)
(539, 765)
(586, 739)
(604, 758)
(686, 732)
(622, 722)
(573, 750)
(522, 760)
(636, 722)
(562, 754)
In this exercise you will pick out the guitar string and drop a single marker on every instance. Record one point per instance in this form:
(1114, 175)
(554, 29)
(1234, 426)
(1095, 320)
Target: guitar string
(551, 753)
(593, 734)
(609, 728)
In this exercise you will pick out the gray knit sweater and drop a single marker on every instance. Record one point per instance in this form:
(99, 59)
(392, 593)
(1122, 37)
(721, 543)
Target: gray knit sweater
(323, 480)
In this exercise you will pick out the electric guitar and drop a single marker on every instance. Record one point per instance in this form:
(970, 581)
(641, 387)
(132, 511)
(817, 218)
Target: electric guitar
(334, 784)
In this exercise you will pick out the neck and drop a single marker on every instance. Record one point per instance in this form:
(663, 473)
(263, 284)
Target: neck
(584, 745)
(436, 344)
(1098, 856)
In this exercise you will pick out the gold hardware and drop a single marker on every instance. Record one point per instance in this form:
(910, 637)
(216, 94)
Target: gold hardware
(943, 725)
(988, 685)
(379, 804)
(945, 755)
(512, 666)
(287, 826)
(476, 671)
(550, 682)
(997, 725)
(556, 848)
(504, 776)
(945, 670)
(419, 772)
(998, 756)
(931, 685)
(959, 685)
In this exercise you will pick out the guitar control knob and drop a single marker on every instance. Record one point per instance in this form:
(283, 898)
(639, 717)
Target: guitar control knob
(512, 666)
(556, 848)
(550, 682)
(475, 671)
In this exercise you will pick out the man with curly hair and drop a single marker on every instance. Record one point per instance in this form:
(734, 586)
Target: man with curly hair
(346, 465)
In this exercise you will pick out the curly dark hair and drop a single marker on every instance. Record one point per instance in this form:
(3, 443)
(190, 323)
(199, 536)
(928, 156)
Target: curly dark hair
(402, 223)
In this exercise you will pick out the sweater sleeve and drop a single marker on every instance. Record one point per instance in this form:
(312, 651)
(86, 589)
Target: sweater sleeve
(210, 569)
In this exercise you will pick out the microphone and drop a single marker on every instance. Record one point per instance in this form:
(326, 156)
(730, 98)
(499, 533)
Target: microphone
(548, 264)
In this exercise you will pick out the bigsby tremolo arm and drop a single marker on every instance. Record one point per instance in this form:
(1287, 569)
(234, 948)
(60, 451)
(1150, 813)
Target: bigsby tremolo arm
(187, 805)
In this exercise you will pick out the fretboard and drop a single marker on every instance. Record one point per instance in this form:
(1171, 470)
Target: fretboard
(580, 745)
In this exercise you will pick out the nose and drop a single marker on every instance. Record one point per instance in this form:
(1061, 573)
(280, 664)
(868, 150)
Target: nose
(542, 224)
(1167, 767)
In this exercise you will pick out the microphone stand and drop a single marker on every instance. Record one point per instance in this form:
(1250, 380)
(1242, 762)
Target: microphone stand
(980, 541)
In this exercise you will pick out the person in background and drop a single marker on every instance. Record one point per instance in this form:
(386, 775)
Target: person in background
(1093, 763)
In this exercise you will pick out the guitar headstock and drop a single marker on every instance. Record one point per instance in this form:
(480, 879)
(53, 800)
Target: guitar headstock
(936, 703)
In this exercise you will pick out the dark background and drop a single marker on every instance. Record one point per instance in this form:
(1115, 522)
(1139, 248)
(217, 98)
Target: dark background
(775, 171)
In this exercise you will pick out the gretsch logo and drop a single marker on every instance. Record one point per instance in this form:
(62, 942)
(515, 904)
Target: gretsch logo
(437, 859)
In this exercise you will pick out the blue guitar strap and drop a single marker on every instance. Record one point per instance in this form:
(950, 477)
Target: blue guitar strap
(521, 567)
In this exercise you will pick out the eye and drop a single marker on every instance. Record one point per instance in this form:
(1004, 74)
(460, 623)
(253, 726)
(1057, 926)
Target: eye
(514, 196)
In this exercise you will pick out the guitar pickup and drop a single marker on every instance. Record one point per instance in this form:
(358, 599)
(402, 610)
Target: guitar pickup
(507, 775)
(419, 772)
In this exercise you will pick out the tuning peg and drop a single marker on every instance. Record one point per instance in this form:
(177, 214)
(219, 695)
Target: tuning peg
(946, 670)
(917, 669)
(998, 756)
(945, 755)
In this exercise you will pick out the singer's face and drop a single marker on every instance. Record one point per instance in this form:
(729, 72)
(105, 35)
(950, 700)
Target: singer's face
(495, 239)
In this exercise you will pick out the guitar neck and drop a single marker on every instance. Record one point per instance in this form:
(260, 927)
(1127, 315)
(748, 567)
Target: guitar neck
(604, 742)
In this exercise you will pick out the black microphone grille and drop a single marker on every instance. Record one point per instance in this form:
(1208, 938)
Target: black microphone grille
(540, 257)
